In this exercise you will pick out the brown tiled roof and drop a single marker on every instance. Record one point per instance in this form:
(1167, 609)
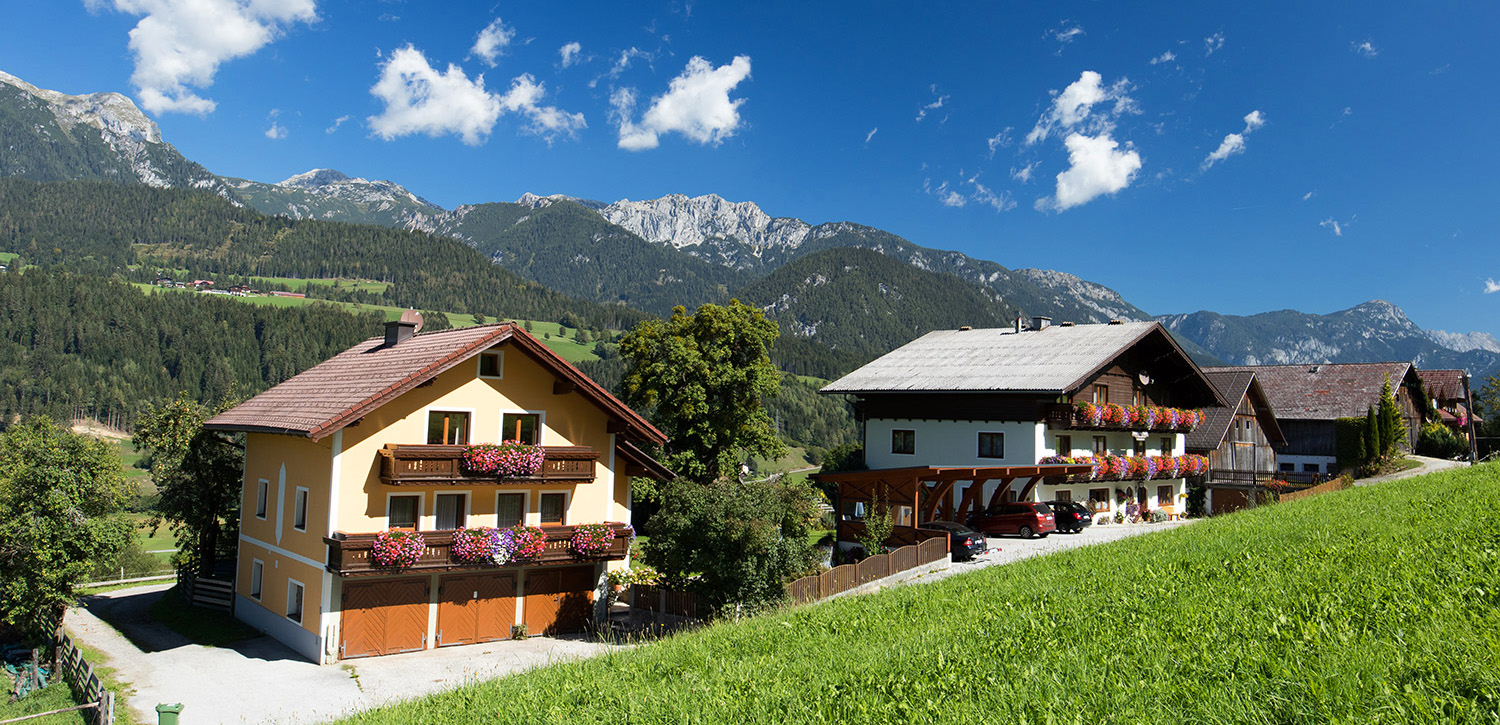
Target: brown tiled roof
(1444, 384)
(347, 386)
(1234, 384)
(1323, 391)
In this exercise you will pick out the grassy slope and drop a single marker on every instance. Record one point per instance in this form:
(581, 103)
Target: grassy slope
(568, 348)
(1370, 605)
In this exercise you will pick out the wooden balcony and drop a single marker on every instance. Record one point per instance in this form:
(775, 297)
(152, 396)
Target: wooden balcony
(349, 554)
(1063, 416)
(425, 465)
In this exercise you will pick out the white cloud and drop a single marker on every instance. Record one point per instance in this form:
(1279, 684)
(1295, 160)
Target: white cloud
(999, 141)
(419, 99)
(1065, 32)
(1338, 231)
(696, 104)
(1212, 43)
(1096, 167)
(627, 57)
(984, 195)
(1234, 143)
(1308, 195)
(549, 122)
(1075, 103)
(179, 44)
(871, 134)
(1491, 286)
(935, 105)
(336, 123)
(1023, 174)
(492, 41)
(569, 54)
(276, 132)
(951, 198)
(1365, 48)
(1165, 57)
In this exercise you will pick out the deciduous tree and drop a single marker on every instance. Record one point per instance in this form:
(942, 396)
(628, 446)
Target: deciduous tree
(198, 474)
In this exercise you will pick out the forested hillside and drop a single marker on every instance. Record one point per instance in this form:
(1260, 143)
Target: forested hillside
(105, 229)
(76, 346)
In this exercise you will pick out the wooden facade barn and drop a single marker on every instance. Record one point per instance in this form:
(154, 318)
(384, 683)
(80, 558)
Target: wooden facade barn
(1240, 441)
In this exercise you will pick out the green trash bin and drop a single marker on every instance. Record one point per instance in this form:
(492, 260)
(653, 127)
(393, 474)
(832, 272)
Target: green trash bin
(167, 714)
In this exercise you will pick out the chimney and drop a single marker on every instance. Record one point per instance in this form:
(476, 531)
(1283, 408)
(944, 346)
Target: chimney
(1066, 323)
(1116, 322)
(1041, 323)
(398, 331)
(964, 328)
(1020, 323)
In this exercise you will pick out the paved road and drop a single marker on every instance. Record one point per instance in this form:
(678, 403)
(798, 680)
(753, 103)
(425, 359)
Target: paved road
(261, 681)
(1006, 550)
(1429, 465)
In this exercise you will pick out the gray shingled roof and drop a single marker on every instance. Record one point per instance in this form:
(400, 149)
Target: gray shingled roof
(1322, 391)
(1232, 384)
(1052, 360)
(341, 389)
(1444, 384)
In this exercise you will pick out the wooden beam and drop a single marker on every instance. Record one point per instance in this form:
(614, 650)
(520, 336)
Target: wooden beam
(999, 494)
(616, 425)
(1026, 490)
(970, 500)
(935, 495)
(563, 387)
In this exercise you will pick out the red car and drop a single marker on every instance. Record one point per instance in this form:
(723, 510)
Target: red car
(1025, 519)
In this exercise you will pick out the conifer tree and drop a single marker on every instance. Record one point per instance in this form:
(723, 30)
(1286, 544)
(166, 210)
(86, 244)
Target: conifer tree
(1372, 435)
(1392, 429)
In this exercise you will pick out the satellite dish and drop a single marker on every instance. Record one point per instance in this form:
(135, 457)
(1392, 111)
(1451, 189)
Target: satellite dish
(412, 317)
(1145, 378)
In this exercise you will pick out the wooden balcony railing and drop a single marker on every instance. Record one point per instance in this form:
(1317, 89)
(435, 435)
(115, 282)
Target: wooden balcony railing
(1065, 416)
(349, 554)
(425, 465)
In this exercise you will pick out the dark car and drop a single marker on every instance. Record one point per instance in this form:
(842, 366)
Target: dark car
(963, 542)
(1071, 516)
(1025, 519)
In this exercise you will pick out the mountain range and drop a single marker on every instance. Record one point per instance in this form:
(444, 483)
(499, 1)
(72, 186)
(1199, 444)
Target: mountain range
(655, 254)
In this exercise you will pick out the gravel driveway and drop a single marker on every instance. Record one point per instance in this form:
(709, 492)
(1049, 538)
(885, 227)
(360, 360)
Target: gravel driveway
(261, 681)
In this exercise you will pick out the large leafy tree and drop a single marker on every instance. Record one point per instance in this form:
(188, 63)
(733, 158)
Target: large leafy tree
(60, 498)
(704, 377)
(198, 474)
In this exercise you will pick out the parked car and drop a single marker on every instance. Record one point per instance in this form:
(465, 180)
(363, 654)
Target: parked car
(963, 542)
(1072, 516)
(1025, 519)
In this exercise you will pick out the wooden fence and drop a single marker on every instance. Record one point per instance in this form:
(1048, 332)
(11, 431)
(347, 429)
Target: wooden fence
(1337, 484)
(201, 591)
(843, 578)
(666, 601)
(97, 700)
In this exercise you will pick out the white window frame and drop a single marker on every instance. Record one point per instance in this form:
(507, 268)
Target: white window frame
(541, 423)
(302, 608)
(567, 506)
(304, 496)
(257, 571)
(467, 512)
(479, 364)
(427, 420)
(421, 505)
(525, 505)
(262, 498)
(1000, 433)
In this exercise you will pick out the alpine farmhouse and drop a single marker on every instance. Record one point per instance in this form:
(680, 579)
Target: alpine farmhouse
(373, 441)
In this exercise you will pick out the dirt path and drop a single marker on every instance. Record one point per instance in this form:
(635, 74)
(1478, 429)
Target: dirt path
(1429, 465)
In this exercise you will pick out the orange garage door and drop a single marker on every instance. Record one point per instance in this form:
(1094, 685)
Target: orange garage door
(559, 600)
(476, 608)
(381, 618)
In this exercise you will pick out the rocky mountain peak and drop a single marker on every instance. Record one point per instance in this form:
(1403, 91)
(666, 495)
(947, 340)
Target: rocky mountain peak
(317, 178)
(112, 113)
(682, 221)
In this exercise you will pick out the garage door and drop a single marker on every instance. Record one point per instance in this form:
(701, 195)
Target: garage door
(381, 618)
(1229, 499)
(476, 608)
(559, 600)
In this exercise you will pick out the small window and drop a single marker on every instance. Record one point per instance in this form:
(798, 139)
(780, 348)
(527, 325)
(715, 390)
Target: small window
(1065, 445)
(299, 510)
(446, 428)
(1101, 394)
(262, 492)
(1135, 397)
(1309, 468)
(1288, 467)
(510, 509)
(450, 511)
(520, 427)
(552, 507)
(1164, 496)
(901, 515)
(1099, 499)
(1101, 445)
(294, 602)
(492, 364)
(257, 574)
(402, 512)
(855, 510)
(904, 441)
(1064, 495)
(1140, 447)
(1167, 447)
(991, 445)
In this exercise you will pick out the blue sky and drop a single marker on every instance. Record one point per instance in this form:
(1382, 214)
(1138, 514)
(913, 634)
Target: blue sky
(1237, 158)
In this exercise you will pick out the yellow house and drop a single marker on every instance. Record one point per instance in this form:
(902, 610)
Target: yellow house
(374, 438)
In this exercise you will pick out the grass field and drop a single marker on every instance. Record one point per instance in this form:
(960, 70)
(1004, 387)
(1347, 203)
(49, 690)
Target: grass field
(298, 284)
(1364, 606)
(6, 257)
(549, 333)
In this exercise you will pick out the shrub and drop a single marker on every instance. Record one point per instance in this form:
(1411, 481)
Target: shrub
(1439, 441)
